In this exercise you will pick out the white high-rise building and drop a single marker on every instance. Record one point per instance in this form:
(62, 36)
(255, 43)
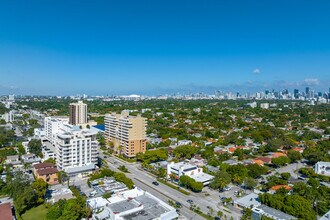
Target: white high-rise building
(77, 150)
(78, 113)
(54, 125)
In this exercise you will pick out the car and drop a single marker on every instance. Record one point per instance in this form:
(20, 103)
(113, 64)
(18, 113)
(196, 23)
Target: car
(217, 218)
(227, 188)
(178, 204)
(155, 183)
(190, 201)
(105, 156)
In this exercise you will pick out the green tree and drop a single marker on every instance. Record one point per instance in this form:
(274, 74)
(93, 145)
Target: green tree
(280, 161)
(55, 211)
(221, 180)
(255, 170)
(285, 176)
(294, 156)
(40, 187)
(250, 183)
(35, 147)
(185, 152)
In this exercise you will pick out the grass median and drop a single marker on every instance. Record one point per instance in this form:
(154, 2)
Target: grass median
(174, 187)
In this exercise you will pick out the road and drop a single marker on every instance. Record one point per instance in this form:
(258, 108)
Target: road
(290, 168)
(144, 180)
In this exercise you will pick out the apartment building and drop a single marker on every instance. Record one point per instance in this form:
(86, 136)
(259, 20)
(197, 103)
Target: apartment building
(54, 125)
(78, 113)
(127, 133)
(77, 151)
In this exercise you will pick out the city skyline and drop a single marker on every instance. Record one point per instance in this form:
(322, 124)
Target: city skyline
(153, 48)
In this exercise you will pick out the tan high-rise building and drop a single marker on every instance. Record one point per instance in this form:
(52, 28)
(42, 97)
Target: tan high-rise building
(127, 133)
(78, 113)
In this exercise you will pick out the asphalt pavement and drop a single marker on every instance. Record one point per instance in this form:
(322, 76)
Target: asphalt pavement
(144, 180)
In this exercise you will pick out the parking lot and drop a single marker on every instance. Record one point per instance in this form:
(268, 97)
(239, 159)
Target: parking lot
(81, 183)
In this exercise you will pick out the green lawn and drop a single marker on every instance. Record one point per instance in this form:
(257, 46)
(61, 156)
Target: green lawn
(35, 213)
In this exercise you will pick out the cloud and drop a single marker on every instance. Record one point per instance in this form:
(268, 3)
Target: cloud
(311, 82)
(256, 71)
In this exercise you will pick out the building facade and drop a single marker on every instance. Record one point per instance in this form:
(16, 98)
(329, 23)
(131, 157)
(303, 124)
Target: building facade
(127, 133)
(322, 168)
(186, 169)
(76, 149)
(78, 113)
(47, 172)
(54, 125)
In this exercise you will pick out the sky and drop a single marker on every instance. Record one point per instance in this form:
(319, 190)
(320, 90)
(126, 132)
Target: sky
(161, 47)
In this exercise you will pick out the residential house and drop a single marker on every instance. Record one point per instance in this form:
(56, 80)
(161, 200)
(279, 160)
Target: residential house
(6, 212)
(13, 160)
(47, 172)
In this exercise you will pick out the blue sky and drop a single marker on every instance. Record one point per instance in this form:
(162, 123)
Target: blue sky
(156, 47)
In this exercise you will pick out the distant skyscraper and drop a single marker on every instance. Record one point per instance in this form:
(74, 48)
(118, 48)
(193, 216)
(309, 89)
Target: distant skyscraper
(296, 93)
(78, 113)
(307, 92)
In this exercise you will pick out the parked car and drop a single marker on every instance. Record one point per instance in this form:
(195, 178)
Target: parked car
(155, 183)
(227, 188)
(178, 204)
(190, 201)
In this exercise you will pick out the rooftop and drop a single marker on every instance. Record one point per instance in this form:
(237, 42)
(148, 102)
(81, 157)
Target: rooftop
(273, 212)
(183, 165)
(43, 165)
(47, 171)
(85, 168)
(248, 201)
(202, 177)
(123, 206)
(5, 210)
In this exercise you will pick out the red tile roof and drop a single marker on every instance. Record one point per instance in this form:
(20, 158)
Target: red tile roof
(43, 165)
(47, 171)
(264, 159)
(275, 188)
(5, 210)
(259, 162)
(278, 154)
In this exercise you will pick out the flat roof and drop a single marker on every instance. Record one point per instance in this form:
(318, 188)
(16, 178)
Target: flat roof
(276, 213)
(202, 177)
(182, 165)
(82, 169)
(152, 209)
(123, 206)
(248, 200)
(326, 216)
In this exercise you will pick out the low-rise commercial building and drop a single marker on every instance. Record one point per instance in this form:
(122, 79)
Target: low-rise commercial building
(267, 211)
(248, 201)
(131, 204)
(184, 168)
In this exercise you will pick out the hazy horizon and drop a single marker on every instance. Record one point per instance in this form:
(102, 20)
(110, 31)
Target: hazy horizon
(162, 47)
